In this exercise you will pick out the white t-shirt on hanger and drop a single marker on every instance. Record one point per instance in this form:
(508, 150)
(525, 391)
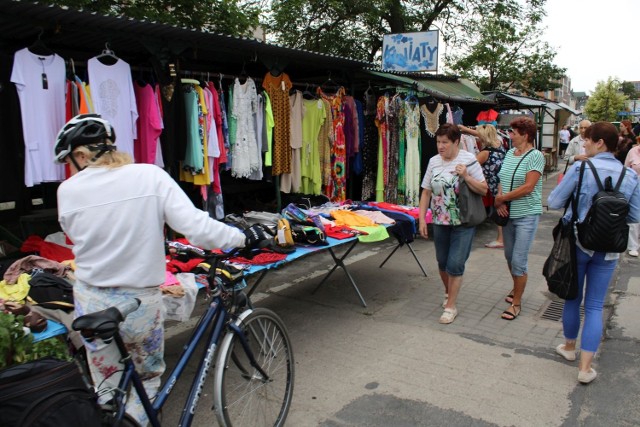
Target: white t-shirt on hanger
(114, 99)
(42, 111)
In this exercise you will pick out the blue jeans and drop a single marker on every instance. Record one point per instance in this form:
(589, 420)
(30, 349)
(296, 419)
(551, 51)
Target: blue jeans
(453, 246)
(518, 237)
(598, 272)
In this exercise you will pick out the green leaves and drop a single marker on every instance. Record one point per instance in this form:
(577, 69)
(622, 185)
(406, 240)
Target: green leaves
(606, 101)
(503, 49)
(16, 347)
(231, 17)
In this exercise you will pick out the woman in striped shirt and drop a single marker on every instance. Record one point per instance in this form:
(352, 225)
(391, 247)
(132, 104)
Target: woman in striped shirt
(520, 197)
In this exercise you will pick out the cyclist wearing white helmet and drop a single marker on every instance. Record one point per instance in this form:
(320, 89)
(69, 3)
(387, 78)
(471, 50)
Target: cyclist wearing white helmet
(114, 212)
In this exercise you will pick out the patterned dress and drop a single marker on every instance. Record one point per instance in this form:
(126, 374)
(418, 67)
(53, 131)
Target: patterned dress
(336, 190)
(412, 161)
(369, 149)
(278, 90)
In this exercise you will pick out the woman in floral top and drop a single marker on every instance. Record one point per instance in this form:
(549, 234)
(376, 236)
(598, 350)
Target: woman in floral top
(440, 187)
(490, 157)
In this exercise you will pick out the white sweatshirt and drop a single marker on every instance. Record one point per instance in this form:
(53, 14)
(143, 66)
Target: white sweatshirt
(115, 219)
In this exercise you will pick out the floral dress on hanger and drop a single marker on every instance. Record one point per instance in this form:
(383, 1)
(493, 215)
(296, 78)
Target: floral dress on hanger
(246, 153)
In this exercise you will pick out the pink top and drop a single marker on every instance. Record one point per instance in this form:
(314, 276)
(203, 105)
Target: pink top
(149, 125)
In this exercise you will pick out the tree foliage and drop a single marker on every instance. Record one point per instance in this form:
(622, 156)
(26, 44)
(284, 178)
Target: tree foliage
(629, 89)
(353, 28)
(606, 101)
(233, 17)
(495, 43)
(504, 50)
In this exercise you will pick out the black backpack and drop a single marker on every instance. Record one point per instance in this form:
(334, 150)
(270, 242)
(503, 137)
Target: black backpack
(46, 392)
(605, 228)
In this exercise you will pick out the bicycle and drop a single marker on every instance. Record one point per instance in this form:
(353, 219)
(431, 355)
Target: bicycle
(254, 366)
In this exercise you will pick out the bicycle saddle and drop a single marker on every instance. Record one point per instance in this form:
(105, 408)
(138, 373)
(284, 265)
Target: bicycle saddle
(104, 324)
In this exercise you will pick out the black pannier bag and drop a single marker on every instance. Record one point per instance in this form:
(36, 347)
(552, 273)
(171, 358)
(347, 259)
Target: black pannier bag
(46, 392)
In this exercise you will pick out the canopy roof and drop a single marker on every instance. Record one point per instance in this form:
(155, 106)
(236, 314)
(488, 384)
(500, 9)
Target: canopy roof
(441, 87)
(81, 35)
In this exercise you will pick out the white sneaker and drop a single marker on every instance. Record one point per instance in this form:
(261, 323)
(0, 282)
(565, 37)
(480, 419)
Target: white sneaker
(633, 253)
(587, 377)
(569, 355)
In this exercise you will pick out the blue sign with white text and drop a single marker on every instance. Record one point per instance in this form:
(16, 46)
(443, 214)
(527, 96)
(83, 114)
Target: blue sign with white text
(410, 51)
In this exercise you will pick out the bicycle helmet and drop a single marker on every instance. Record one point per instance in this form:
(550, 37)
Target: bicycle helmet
(84, 129)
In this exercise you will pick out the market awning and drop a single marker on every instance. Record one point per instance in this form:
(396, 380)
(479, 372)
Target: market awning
(510, 101)
(460, 90)
(569, 109)
(449, 89)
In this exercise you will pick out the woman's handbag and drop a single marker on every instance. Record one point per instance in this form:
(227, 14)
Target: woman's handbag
(503, 220)
(499, 219)
(561, 268)
(472, 211)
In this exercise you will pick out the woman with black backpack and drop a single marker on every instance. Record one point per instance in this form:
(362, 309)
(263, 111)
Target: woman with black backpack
(595, 267)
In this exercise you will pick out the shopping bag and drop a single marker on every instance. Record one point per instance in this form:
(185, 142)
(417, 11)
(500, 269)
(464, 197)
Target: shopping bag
(560, 269)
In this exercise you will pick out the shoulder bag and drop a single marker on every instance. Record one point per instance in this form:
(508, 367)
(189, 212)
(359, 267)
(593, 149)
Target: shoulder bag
(472, 211)
(503, 220)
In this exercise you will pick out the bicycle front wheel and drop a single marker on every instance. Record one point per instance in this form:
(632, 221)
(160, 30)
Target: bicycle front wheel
(242, 395)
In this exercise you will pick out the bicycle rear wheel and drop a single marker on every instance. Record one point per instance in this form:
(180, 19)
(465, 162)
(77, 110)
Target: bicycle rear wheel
(242, 396)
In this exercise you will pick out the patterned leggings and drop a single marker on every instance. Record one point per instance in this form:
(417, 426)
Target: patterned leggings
(143, 335)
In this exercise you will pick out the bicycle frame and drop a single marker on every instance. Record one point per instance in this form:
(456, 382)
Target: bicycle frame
(216, 315)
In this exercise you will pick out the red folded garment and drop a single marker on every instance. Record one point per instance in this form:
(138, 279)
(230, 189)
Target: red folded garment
(46, 250)
(265, 257)
(341, 232)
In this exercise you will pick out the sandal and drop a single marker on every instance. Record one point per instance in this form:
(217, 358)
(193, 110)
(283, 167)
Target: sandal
(508, 315)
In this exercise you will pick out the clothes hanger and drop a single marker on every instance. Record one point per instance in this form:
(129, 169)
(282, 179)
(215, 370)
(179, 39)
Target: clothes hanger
(329, 85)
(188, 81)
(411, 98)
(38, 47)
(369, 90)
(108, 56)
(71, 73)
(242, 77)
(307, 94)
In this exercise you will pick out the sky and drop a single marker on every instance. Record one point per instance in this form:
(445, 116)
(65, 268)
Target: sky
(595, 39)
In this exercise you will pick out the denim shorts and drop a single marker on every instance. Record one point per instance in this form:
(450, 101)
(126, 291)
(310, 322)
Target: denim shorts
(518, 237)
(453, 246)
